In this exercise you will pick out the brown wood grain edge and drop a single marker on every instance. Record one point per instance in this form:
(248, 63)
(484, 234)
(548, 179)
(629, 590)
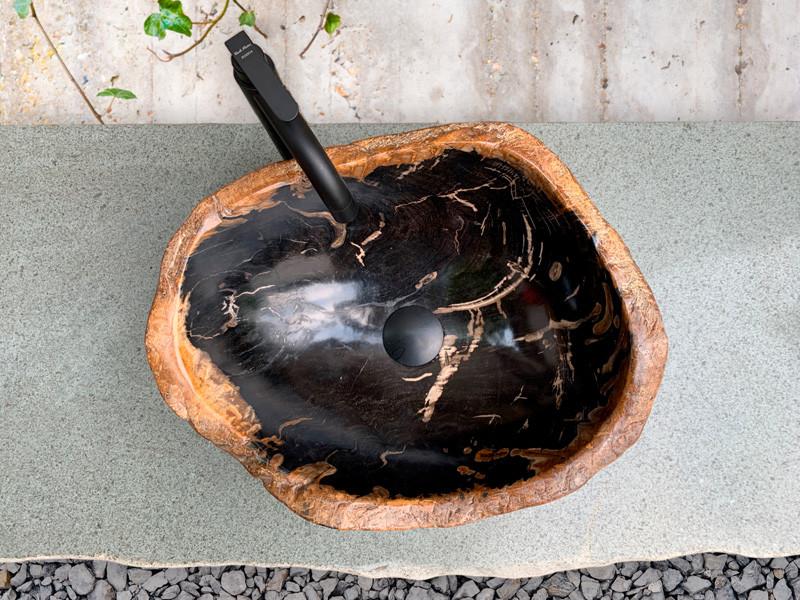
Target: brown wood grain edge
(201, 394)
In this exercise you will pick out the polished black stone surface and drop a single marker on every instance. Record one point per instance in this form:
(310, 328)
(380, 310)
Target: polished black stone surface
(291, 307)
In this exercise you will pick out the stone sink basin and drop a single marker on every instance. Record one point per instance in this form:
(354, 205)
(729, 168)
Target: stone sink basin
(266, 332)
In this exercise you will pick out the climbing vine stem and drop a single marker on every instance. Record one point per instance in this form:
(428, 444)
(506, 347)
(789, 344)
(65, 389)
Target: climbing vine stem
(35, 17)
(169, 56)
(325, 12)
(254, 25)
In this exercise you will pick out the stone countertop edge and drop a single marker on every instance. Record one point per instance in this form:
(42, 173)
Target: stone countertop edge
(95, 466)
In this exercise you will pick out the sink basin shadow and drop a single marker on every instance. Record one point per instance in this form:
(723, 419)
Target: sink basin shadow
(267, 331)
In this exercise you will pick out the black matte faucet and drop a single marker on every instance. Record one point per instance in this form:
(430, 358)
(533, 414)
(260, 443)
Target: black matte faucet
(255, 73)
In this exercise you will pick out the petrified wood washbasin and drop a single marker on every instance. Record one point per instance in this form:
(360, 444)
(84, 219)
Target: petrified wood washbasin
(266, 331)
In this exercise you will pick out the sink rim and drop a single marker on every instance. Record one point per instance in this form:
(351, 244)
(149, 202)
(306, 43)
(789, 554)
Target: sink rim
(211, 404)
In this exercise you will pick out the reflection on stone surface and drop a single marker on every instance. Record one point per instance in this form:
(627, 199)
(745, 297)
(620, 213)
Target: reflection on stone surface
(291, 306)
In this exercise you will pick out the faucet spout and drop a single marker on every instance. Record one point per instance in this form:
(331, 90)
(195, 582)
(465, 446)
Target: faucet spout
(278, 112)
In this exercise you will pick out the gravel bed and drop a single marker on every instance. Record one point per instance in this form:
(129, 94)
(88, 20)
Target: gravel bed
(695, 577)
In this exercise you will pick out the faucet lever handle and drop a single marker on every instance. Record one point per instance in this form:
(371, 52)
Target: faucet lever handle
(256, 66)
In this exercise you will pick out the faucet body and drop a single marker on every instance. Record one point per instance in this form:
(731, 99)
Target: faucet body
(278, 112)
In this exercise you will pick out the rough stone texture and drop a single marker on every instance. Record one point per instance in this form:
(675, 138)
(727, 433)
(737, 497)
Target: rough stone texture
(112, 191)
(548, 61)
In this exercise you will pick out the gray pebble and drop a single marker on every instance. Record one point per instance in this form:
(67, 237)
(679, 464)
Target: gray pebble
(297, 571)
(574, 577)
(234, 582)
(782, 591)
(715, 563)
(190, 588)
(558, 585)
(138, 576)
(750, 578)
(629, 568)
(291, 586)
(440, 584)
(117, 576)
(590, 588)
(758, 595)
(81, 579)
(99, 568)
(276, 581)
(468, 589)
(695, 584)
(508, 589)
(495, 582)
(452, 582)
(102, 591)
(310, 593)
(20, 576)
(683, 565)
(35, 570)
(124, 595)
(415, 593)
(185, 596)
(672, 579)
(621, 585)
(531, 584)
(62, 573)
(795, 585)
(778, 563)
(365, 583)
(485, 594)
(605, 573)
(171, 592)
(723, 589)
(327, 586)
(177, 574)
(155, 582)
(648, 577)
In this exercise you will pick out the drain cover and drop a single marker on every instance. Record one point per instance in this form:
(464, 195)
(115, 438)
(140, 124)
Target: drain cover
(412, 336)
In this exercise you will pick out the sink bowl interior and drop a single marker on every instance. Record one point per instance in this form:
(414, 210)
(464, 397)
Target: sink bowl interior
(278, 314)
(290, 307)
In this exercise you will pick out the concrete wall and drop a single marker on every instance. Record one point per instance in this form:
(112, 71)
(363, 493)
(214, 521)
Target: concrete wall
(423, 60)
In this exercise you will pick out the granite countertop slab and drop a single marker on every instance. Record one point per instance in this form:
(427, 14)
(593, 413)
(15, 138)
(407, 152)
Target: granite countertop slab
(94, 464)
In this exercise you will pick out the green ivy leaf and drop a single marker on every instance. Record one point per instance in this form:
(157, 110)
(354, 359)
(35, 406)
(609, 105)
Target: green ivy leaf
(153, 26)
(170, 17)
(332, 22)
(247, 18)
(118, 93)
(173, 19)
(23, 8)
